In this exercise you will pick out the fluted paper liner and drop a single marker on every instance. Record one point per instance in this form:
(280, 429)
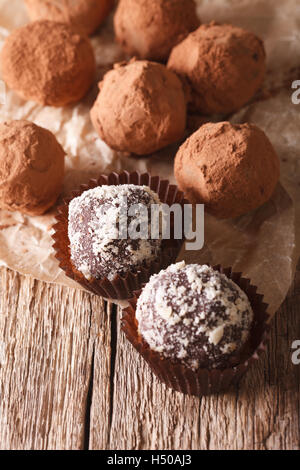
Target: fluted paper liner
(120, 287)
(204, 381)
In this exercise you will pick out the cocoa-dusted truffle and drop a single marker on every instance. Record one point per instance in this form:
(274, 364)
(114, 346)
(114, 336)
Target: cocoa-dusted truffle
(141, 108)
(149, 30)
(83, 15)
(232, 169)
(224, 66)
(99, 248)
(31, 167)
(194, 315)
(47, 62)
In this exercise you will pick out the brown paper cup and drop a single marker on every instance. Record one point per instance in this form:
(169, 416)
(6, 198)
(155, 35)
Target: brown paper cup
(204, 381)
(120, 287)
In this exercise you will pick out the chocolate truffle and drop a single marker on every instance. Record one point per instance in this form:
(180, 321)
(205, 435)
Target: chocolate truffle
(194, 315)
(232, 169)
(149, 30)
(31, 167)
(140, 109)
(224, 66)
(99, 246)
(47, 62)
(83, 15)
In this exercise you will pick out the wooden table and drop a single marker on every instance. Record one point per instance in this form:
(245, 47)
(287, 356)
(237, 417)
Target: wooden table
(69, 380)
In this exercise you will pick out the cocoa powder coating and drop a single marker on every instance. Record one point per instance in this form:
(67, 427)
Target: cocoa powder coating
(47, 62)
(232, 169)
(141, 108)
(149, 30)
(223, 65)
(83, 15)
(31, 167)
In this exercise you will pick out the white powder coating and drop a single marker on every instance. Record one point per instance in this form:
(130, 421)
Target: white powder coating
(98, 246)
(194, 314)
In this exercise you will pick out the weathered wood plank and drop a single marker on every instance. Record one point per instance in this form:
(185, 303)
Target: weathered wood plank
(101, 399)
(47, 338)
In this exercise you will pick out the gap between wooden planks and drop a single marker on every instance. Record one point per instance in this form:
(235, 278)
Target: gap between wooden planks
(69, 380)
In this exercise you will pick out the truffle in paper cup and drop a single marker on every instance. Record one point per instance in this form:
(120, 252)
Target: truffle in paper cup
(204, 381)
(120, 287)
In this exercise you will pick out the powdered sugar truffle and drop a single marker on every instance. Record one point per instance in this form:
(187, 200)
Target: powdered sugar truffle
(194, 314)
(99, 247)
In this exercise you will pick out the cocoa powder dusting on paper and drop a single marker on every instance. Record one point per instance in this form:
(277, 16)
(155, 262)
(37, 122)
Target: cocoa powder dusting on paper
(264, 244)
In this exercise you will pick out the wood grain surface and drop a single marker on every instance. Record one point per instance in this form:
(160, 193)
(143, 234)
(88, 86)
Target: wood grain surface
(69, 380)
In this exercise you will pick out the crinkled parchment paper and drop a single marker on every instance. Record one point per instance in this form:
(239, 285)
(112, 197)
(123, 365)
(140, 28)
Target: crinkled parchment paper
(264, 245)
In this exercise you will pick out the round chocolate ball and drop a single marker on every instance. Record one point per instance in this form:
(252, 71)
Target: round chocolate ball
(83, 15)
(149, 30)
(232, 169)
(140, 109)
(223, 65)
(31, 167)
(194, 315)
(48, 62)
(99, 245)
